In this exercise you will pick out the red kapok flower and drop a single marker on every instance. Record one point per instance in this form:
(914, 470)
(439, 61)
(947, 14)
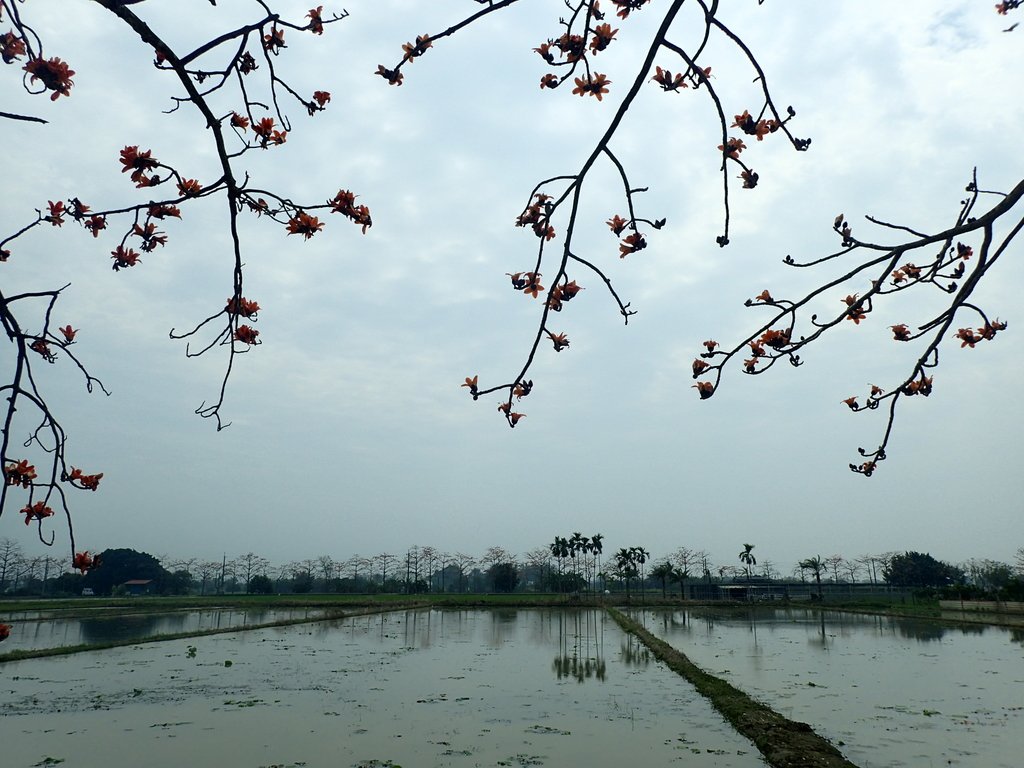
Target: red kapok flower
(123, 258)
(83, 561)
(304, 224)
(54, 74)
(242, 307)
(37, 511)
(22, 473)
(87, 482)
(246, 334)
(316, 22)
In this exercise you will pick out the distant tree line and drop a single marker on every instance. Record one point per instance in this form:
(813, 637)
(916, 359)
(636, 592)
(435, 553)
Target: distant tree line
(568, 564)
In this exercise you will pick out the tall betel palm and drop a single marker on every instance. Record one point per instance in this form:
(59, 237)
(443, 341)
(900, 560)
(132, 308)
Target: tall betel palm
(747, 558)
(597, 547)
(559, 550)
(664, 572)
(815, 565)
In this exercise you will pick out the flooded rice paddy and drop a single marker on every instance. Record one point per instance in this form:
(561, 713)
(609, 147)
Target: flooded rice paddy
(887, 691)
(413, 688)
(32, 630)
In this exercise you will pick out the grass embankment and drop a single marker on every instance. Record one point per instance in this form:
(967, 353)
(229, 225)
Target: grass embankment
(784, 743)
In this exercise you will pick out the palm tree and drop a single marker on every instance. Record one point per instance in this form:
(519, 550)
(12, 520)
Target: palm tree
(747, 558)
(626, 566)
(663, 572)
(815, 565)
(560, 549)
(596, 547)
(640, 555)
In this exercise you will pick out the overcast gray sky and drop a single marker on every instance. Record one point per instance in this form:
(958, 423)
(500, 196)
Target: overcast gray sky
(350, 431)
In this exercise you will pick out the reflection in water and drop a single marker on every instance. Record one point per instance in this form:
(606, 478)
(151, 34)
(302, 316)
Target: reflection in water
(108, 627)
(424, 688)
(580, 646)
(634, 653)
(892, 691)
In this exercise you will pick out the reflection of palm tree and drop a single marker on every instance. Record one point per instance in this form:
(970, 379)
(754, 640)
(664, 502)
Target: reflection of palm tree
(747, 558)
(815, 565)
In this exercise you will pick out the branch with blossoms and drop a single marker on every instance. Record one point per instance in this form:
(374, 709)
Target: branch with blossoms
(954, 262)
(572, 55)
(243, 113)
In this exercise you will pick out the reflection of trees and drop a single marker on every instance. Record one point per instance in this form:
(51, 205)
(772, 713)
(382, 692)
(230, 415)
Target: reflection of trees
(1017, 636)
(127, 627)
(580, 646)
(580, 669)
(922, 631)
(634, 653)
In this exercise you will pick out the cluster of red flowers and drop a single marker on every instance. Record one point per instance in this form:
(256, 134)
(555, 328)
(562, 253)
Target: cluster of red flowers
(5, 632)
(625, 6)
(393, 76)
(11, 47)
(56, 213)
(593, 85)
(631, 244)
(160, 211)
(345, 203)
(124, 258)
(900, 332)
(733, 148)
(561, 294)
(54, 74)
(247, 335)
(41, 348)
(189, 188)
(83, 561)
(21, 473)
(669, 82)
(37, 511)
(527, 282)
(411, 50)
(69, 333)
(95, 224)
(139, 163)
(149, 235)
(705, 389)
(560, 340)
(907, 272)
(86, 482)
(316, 21)
(273, 41)
(321, 98)
(512, 417)
(268, 134)
(857, 308)
(537, 215)
(921, 386)
(752, 127)
(304, 224)
(242, 307)
(969, 337)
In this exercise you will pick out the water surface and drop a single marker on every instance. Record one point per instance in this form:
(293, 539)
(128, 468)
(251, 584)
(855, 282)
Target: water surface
(887, 691)
(419, 688)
